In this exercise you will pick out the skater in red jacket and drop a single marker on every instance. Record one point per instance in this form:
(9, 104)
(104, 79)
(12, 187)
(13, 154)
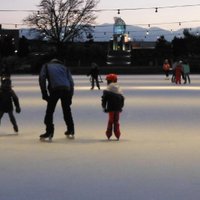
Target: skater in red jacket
(112, 103)
(178, 72)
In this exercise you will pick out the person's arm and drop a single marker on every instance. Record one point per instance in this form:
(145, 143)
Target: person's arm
(42, 82)
(16, 101)
(104, 101)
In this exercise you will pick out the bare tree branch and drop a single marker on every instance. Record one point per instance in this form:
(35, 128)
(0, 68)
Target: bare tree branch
(63, 20)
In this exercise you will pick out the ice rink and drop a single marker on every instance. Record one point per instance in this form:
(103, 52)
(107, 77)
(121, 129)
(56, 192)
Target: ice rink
(157, 157)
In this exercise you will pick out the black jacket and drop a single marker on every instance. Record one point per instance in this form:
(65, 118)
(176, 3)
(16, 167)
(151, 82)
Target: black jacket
(94, 72)
(112, 99)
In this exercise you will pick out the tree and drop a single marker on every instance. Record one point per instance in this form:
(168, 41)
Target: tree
(63, 20)
(7, 46)
(163, 49)
(23, 48)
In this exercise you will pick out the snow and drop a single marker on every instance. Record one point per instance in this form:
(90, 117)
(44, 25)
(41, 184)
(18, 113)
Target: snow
(157, 157)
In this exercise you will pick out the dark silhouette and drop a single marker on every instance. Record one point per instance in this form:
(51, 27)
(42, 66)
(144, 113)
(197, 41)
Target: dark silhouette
(60, 86)
(23, 49)
(7, 97)
(94, 73)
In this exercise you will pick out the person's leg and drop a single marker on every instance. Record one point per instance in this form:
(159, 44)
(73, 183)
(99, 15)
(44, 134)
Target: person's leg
(188, 77)
(176, 79)
(67, 114)
(13, 121)
(179, 79)
(117, 125)
(167, 74)
(185, 78)
(92, 83)
(48, 119)
(97, 83)
(110, 124)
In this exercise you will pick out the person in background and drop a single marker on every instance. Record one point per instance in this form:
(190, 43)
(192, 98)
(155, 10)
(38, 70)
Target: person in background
(186, 71)
(112, 103)
(166, 68)
(7, 97)
(173, 80)
(178, 72)
(60, 86)
(94, 73)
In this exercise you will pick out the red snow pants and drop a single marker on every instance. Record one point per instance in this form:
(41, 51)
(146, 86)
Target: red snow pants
(113, 121)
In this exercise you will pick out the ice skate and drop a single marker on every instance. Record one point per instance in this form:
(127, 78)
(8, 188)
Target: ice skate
(70, 134)
(117, 131)
(108, 134)
(15, 127)
(46, 137)
(117, 135)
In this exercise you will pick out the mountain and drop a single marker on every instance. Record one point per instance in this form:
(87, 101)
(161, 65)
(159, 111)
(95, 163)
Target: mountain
(104, 32)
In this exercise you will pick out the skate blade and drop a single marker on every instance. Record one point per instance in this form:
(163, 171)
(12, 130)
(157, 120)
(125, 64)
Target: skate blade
(49, 140)
(71, 137)
(113, 140)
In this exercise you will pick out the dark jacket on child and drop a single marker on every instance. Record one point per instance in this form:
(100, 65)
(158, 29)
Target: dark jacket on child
(7, 97)
(112, 99)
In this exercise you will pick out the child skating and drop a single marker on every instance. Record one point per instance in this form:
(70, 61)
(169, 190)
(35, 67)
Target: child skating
(7, 97)
(112, 103)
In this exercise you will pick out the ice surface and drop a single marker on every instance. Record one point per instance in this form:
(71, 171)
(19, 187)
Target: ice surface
(157, 157)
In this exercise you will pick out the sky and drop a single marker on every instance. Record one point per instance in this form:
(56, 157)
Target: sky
(167, 18)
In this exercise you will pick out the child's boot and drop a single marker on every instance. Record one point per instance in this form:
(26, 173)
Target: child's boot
(109, 134)
(117, 131)
(109, 130)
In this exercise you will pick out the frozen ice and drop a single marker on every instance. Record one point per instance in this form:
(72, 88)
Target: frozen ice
(157, 157)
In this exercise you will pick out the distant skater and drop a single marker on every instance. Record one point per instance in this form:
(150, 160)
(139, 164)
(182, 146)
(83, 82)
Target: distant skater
(166, 68)
(112, 103)
(7, 97)
(186, 71)
(94, 73)
(178, 72)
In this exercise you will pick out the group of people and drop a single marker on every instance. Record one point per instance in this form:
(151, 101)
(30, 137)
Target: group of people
(180, 70)
(56, 83)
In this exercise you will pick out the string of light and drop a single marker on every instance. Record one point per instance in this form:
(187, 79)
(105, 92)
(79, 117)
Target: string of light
(118, 11)
(148, 26)
(107, 25)
(146, 32)
(156, 8)
(160, 23)
(179, 23)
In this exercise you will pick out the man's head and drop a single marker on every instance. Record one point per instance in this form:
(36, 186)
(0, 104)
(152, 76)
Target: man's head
(6, 83)
(55, 60)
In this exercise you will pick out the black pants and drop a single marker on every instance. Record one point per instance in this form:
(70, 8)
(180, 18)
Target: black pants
(65, 97)
(95, 80)
(11, 116)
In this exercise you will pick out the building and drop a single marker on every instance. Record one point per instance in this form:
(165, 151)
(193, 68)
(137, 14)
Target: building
(119, 52)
